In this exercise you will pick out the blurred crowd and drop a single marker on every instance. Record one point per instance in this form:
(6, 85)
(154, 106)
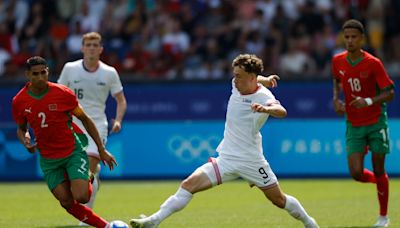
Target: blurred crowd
(195, 39)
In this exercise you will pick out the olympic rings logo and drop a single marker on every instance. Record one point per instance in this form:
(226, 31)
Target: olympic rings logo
(193, 148)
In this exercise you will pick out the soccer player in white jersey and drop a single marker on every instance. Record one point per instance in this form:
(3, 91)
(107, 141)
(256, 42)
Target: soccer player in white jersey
(240, 151)
(93, 81)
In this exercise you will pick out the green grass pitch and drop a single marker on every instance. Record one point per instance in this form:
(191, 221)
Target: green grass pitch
(333, 203)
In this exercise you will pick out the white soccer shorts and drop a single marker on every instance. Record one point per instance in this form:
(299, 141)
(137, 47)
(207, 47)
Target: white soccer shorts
(222, 169)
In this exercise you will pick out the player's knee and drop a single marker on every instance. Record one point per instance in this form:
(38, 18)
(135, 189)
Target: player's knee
(188, 184)
(82, 197)
(356, 175)
(67, 203)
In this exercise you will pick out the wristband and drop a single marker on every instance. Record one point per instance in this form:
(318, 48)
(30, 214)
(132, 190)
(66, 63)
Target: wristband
(369, 101)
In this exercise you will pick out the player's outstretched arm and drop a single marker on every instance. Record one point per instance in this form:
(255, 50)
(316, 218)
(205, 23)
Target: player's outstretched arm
(270, 81)
(105, 156)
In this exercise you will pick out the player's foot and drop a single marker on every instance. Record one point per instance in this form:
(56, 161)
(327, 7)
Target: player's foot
(83, 224)
(383, 221)
(311, 223)
(142, 222)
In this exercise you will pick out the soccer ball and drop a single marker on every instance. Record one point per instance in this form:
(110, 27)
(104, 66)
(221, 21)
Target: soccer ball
(118, 224)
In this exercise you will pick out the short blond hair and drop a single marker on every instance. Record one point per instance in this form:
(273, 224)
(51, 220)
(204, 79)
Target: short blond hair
(91, 36)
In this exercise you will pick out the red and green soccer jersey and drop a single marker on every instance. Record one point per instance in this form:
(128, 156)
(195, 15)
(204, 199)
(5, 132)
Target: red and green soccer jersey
(362, 78)
(50, 117)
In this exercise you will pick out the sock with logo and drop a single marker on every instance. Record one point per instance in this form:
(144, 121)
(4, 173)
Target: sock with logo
(86, 215)
(382, 185)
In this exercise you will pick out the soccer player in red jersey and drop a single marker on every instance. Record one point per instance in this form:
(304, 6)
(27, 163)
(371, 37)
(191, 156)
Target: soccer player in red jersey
(48, 108)
(366, 87)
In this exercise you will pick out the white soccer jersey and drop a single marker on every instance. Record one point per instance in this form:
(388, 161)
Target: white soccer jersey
(242, 138)
(92, 90)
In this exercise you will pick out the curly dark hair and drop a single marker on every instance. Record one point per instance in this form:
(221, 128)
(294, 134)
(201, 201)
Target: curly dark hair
(249, 63)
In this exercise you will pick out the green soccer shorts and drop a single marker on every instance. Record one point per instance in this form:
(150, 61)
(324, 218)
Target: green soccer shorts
(374, 137)
(56, 171)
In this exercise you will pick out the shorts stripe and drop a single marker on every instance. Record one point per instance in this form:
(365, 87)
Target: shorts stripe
(216, 170)
(269, 186)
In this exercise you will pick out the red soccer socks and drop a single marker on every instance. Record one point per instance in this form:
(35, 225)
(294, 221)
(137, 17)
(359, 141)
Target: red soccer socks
(86, 215)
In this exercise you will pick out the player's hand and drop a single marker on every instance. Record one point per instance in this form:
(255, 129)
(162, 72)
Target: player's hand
(255, 107)
(358, 102)
(28, 145)
(270, 81)
(116, 127)
(31, 147)
(339, 106)
(273, 80)
(108, 159)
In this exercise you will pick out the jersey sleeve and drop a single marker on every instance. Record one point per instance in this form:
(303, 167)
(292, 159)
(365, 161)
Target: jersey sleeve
(116, 85)
(17, 114)
(63, 79)
(270, 99)
(265, 97)
(381, 75)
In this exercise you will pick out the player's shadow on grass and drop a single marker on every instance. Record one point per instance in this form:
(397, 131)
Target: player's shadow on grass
(350, 227)
(69, 226)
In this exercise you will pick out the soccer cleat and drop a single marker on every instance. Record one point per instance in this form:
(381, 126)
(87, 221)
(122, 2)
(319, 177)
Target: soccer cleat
(383, 221)
(142, 222)
(311, 223)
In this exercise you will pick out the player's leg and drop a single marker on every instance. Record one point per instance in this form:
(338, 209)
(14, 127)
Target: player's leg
(379, 144)
(355, 163)
(290, 204)
(93, 155)
(64, 195)
(382, 185)
(80, 193)
(94, 164)
(197, 181)
(260, 174)
(356, 143)
(202, 178)
(78, 172)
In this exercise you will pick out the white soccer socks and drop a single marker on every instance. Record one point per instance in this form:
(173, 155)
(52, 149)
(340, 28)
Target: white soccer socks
(297, 211)
(173, 204)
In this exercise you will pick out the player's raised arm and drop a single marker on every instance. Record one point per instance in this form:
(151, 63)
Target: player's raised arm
(270, 81)
(90, 127)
